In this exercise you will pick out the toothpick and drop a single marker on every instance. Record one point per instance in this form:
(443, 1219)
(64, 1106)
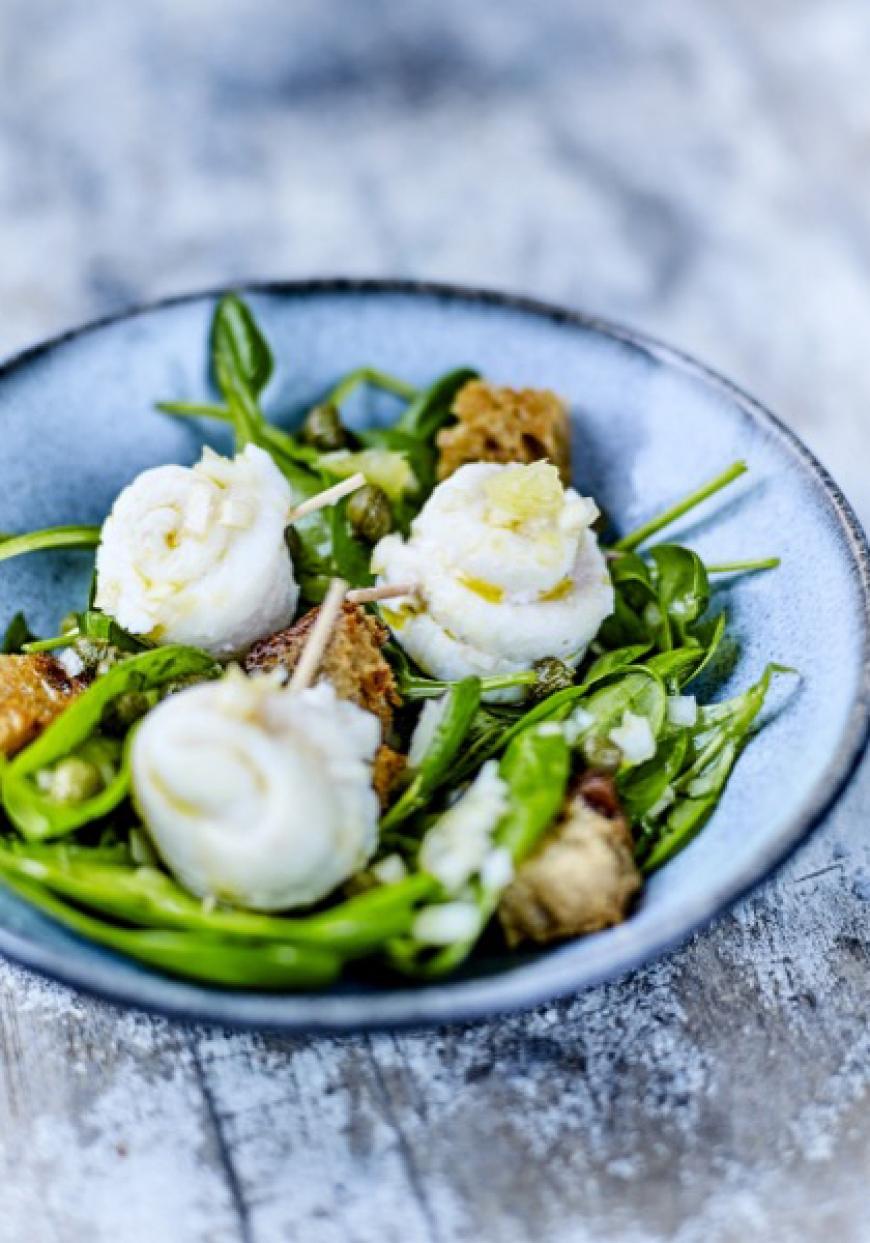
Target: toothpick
(388, 591)
(328, 497)
(318, 639)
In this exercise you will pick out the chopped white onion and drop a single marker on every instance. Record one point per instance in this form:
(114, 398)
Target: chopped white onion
(424, 731)
(389, 870)
(446, 923)
(635, 738)
(682, 709)
(456, 846)
(497, 871)
(576, 725)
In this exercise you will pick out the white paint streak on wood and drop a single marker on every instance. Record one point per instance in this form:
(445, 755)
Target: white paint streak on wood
(103, 1135)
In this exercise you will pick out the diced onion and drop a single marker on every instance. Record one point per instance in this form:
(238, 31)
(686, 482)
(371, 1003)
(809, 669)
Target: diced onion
(635, 738)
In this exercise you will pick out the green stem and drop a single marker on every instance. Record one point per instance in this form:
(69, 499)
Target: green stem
(48, 645)
(743, 567)
(414, 688)
(629, 542)
(194, 410)
(369, 375)
(49, 537)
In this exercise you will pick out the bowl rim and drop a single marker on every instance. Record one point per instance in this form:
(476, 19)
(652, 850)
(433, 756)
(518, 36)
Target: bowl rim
(529, 984)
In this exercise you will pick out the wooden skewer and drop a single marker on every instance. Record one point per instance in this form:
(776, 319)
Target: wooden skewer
(388, 591)
(318, 640)
(329, 496)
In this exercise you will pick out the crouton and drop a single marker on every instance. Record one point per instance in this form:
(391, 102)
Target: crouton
(505, 425)
(388, 768)
(33, 691)
(353, 661)
(582, 876)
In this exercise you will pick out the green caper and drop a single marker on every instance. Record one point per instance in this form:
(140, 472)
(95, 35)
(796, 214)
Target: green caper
(293, 540)
(126, 710)
(370, 513)
(323, 428)
(68, 623)
(601, 754)
(74, 779)
(552, 675)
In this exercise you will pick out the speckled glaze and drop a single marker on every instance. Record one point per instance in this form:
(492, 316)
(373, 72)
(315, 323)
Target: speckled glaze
(79, 422)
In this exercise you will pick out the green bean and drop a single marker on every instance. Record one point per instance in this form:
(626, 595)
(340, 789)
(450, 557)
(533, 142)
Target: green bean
(212, 960)
(33, 812)
(148, 897)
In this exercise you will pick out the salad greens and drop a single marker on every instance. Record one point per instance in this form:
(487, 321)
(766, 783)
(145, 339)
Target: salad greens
(71, 844)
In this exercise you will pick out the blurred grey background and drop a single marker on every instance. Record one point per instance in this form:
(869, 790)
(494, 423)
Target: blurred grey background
(696, 168)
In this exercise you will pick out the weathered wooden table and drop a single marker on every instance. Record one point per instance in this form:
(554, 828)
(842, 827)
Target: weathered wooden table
(698, 169)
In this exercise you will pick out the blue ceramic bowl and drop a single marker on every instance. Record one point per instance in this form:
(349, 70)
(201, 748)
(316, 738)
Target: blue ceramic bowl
(79, 422)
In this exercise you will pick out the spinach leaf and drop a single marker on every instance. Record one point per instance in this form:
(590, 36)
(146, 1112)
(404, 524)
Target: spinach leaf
(536, 767)
(431, 409)
(637, 690)
(241, 357)
(614, 661)
(709, 635)
(18, 633)
(676, 665)
(716, 740)
(643, 787)
(682, 588)
(689, 814)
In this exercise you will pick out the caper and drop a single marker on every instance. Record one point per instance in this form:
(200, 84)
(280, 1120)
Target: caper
(293, 540)
(552, 675)
(369, 513)
(75, 779)
(323, 428)
(601, 754)
(126, 710)
(68, 623)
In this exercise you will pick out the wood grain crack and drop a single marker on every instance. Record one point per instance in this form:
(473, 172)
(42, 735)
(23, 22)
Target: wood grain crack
(406, 1151)
(225, 1156)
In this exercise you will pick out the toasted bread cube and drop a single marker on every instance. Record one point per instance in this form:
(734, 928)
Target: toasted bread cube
(33, 691)
(353, 661)
(505, 425)
(582, 876)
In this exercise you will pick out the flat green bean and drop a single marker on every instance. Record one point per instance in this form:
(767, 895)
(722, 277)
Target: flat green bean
(213, 960)
(33, 812)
